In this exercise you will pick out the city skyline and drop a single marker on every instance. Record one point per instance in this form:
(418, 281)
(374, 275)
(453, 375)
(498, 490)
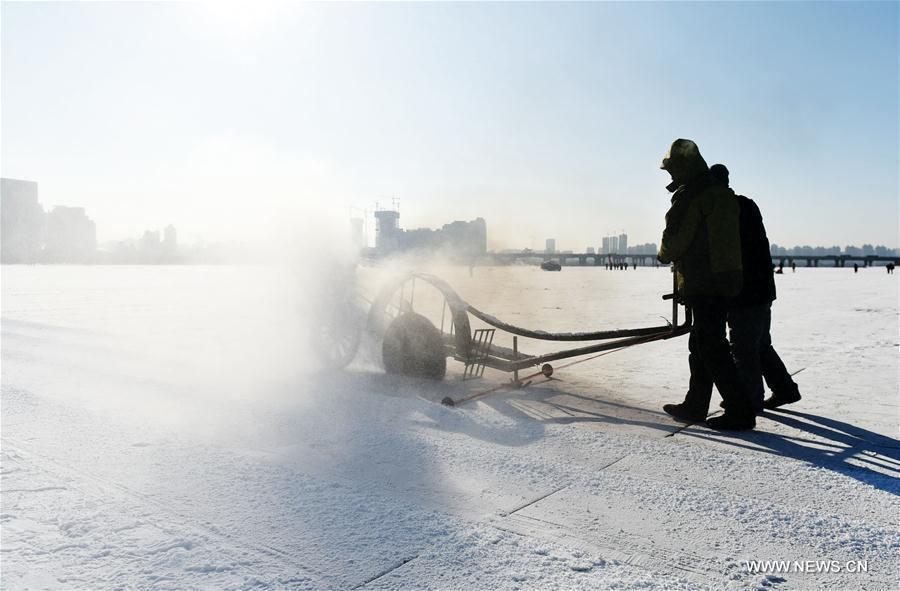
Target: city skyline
(545, 119)
(65, 233)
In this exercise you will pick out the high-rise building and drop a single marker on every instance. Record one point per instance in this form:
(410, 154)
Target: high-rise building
(605, 247)
(22, 221)
(463, 238)
(623, 243)
(71, 236)
(151, 246)
(170, 242)
(550, 247)
(458, 240)
(387, 230)
(590, 250)
(614, 245)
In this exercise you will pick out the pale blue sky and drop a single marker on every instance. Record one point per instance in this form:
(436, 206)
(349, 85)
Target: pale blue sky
(547, 119)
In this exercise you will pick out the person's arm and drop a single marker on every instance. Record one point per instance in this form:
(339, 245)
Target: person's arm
(758, 222)
(682, 221)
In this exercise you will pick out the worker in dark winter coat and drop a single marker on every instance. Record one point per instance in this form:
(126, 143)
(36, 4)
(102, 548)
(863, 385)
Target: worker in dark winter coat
(702, 239)
(750, 315)
(702, 233)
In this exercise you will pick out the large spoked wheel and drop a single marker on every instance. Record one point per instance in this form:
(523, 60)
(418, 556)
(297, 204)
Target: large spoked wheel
(420, 321)
(336, 336)
(413, 346)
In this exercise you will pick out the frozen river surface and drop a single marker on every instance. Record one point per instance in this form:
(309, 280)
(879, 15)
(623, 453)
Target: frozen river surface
(163, 428)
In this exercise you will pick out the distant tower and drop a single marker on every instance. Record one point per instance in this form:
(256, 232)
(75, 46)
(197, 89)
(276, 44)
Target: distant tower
(550, 246)
(614, 245)
(23, 222)
(605, 248)
(623, 243)
(170, 241)
(478, 230)
(387, 230)
(151, 246)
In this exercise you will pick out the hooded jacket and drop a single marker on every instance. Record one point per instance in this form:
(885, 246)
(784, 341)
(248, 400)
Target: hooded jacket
(702, 234)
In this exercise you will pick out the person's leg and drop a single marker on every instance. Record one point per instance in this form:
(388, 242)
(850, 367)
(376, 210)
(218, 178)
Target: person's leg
(772, 367)
(703, 329)
(747, 325)
(712, 347)
(696, 402)
(716, 355)
(701, 383)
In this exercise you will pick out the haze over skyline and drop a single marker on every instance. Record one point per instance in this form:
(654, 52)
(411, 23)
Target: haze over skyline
(548, 120)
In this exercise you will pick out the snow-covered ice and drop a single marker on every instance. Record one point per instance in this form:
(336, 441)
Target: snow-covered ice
(162, 429)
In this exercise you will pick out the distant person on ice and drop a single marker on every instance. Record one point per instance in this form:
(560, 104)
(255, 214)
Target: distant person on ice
(750, 314)
(702, 239)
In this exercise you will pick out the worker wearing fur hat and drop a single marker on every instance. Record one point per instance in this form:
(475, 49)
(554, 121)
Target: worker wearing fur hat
(702, 240)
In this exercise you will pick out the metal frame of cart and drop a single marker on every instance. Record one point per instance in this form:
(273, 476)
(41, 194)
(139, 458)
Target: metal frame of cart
(476, 348)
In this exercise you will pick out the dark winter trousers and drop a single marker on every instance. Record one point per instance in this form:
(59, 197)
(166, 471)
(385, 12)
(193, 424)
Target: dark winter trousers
(748, 328)
(754, 357)
(770, 365)
(711, 362)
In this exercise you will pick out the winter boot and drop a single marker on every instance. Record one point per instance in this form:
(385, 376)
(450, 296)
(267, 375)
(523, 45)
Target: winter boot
(777, 400)
(683, 413)
(731, 422)
(758, 406)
